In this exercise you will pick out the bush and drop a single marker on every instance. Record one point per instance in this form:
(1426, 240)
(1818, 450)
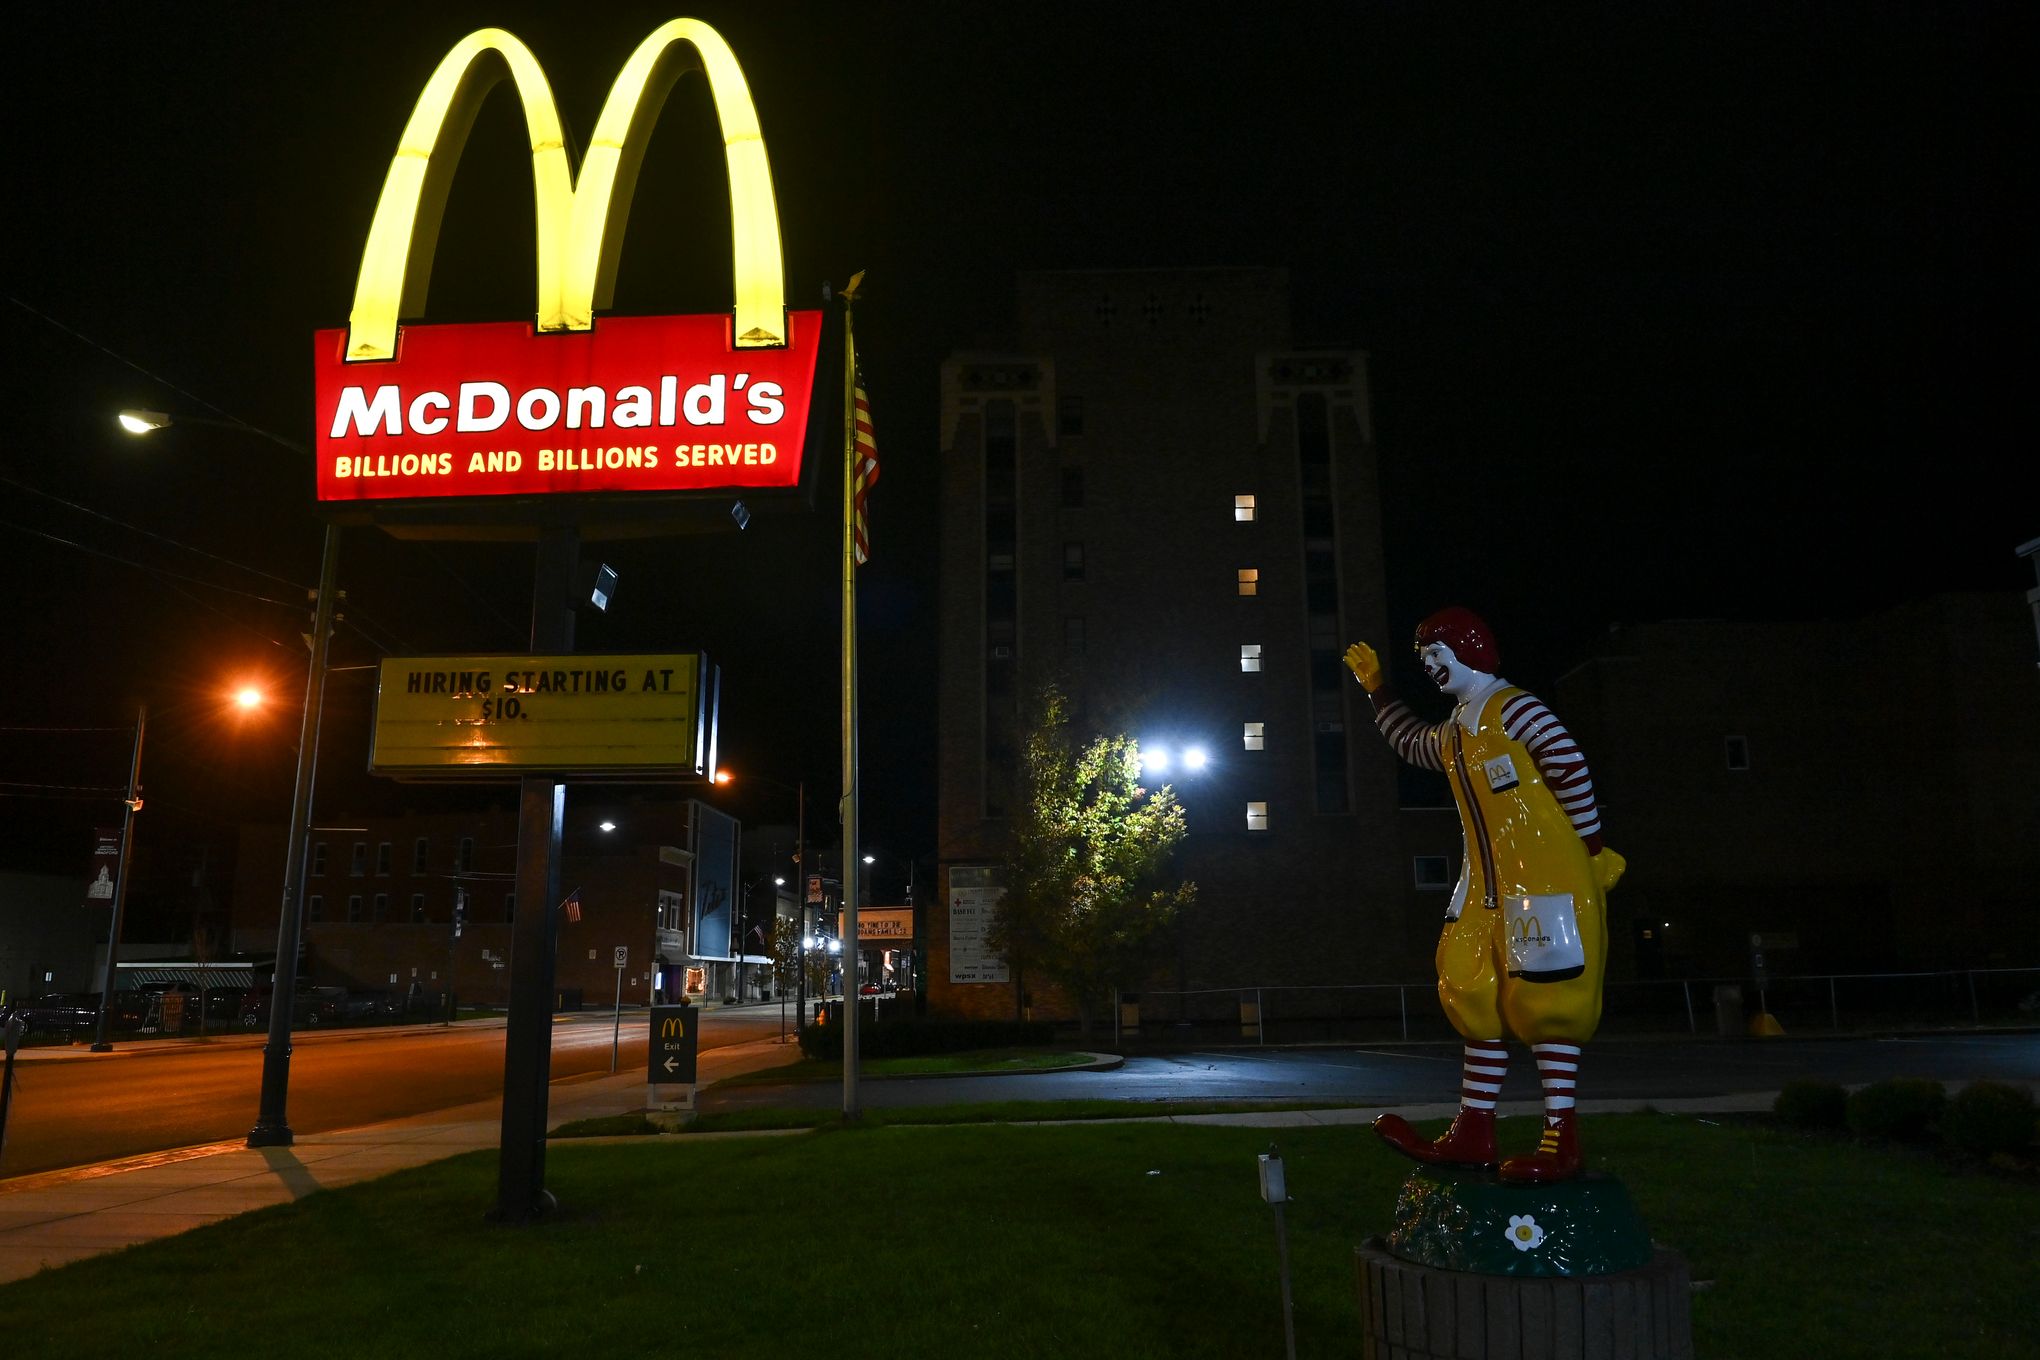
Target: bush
(1904, 1110)
(1812, 1105)
(1990, 1117)
(918, 1037)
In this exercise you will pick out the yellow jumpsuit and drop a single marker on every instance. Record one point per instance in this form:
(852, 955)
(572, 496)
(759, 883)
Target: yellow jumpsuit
(1524, 954)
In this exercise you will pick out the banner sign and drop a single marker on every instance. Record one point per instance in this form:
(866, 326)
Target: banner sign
(974, 895)
(636, 404)
(881, 925)
(105, 868)
(495, 717)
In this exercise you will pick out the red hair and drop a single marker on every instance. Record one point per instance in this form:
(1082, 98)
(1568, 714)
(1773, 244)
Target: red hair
(1466, 634)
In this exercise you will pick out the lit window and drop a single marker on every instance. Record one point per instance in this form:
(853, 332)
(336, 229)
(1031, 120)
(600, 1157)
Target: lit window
(1738, 750)
(1250, 656)
(1433, 873)
(1250, 580)
(1257, 816)
(1243, 508)
(1250, 738)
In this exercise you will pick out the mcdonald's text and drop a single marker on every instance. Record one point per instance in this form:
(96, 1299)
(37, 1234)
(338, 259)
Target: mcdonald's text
(584, 408)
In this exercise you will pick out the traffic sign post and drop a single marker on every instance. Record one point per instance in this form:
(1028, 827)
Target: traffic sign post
(671, 1068)
(616, 1030)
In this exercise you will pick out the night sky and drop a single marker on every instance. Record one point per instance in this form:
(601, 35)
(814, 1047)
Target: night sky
(1674, 310)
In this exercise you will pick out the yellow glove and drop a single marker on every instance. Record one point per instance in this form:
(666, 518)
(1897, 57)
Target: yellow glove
(1608, 867)
(1366, 667)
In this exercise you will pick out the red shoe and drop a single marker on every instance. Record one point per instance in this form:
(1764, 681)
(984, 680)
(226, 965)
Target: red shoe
(1469, 1142)
(1557, 1157)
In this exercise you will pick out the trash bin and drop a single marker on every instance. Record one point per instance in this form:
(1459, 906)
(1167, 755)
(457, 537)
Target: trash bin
(1129, 1015)
(1728, 1010)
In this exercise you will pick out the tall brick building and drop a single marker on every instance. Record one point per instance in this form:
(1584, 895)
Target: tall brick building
(1156, 496)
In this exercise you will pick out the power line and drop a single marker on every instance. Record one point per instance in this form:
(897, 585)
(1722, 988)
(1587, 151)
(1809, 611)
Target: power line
(120, 358)
(146, 533)
(154, 571)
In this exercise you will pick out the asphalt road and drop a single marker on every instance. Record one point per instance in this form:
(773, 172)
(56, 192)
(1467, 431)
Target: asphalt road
(1425, 1073)
(150, 1096)
(77, 1109)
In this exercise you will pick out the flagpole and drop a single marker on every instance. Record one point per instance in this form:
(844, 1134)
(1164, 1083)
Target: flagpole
(851, 861)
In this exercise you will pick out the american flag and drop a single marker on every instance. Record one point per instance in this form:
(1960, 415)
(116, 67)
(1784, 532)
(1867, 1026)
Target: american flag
(864, 458)
(571, 906)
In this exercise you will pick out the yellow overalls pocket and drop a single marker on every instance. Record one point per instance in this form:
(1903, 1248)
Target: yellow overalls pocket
(1544, 937)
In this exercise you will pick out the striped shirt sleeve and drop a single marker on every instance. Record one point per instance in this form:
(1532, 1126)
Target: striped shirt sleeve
(1408, 734)
(1559, 761)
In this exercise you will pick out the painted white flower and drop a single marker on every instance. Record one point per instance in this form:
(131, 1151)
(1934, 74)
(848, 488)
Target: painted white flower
(1524, 1232)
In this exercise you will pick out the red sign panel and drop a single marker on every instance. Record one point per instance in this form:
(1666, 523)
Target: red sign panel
(640, 403)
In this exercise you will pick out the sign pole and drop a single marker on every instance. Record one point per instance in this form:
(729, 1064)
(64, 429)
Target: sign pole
(616, 1031)
(542, 802)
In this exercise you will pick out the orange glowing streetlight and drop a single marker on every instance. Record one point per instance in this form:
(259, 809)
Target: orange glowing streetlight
(248, 698)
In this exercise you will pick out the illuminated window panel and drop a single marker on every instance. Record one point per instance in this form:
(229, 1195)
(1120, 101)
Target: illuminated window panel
(1250, 580)
(1243, 508)
(1250, 656)
(1250, 737)
(1257, 816)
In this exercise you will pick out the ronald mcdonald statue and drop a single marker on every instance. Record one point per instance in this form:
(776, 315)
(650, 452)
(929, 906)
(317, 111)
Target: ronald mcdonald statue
(1525, 935)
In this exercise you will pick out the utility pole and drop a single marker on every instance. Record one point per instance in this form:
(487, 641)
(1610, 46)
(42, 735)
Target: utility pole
(120, 881)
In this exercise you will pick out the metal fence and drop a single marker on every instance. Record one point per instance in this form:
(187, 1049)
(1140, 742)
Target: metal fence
(1377, 1012)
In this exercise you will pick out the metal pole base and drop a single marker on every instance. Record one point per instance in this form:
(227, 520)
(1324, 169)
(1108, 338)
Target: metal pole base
(100, 1048)
(265, 1135)
(545, 1205)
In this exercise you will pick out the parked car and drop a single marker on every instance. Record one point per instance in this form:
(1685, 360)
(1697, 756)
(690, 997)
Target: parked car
(76, 1014)
(310, 1007)
(369, 1008)
(225, 1003)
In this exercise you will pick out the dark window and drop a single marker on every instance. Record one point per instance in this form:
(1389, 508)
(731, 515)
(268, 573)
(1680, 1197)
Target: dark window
(354, 910)
(315, 908)
(1073, 561)
(1069, 416)
(385, 857)
(464, 859)
(509, 906)
(1073, 488)
(1434, 873)
(1738, 750)
(418, 906)
(357, 863)
(1073, 635)
(319, 859)
(382, 908)
(421, 855)
(1331, 772)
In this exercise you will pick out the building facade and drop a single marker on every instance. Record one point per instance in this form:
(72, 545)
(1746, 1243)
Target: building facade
(422, 904)
(1156, 499)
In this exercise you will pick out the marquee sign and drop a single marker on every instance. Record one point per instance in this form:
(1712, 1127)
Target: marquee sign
(565, 404)
(498, 717)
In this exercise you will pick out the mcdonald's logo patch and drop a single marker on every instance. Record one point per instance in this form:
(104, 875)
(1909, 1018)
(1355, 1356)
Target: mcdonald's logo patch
(566, 403)
(669, 1029)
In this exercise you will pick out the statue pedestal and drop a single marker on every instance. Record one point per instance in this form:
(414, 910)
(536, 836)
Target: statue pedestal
(1478, 1270)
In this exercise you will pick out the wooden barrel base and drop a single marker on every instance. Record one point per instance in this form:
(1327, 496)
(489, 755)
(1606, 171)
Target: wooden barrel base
(1416, 1312)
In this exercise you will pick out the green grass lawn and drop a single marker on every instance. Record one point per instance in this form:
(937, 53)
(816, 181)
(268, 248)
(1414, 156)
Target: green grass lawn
(1115, 1240)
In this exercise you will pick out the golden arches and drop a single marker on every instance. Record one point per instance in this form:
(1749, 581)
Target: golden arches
(580, 228)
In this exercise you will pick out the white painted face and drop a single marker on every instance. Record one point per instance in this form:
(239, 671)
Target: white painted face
(1448, 672)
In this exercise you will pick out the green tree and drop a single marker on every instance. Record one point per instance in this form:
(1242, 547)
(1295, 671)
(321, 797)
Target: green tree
(1089, 880)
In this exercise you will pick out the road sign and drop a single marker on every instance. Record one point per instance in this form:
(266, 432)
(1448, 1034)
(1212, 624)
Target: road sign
(814, 888)
(674, 1031)
(622, 955)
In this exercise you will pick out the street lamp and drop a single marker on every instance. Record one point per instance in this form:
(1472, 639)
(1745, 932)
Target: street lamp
(120, 882)
(272, 1127)
(799, 790)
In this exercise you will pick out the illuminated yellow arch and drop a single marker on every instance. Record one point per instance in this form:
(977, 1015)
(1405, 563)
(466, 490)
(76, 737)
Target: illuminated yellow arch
(580, 229)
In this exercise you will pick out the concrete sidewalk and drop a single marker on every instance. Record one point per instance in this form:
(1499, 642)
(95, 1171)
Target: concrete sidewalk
(59, 1216)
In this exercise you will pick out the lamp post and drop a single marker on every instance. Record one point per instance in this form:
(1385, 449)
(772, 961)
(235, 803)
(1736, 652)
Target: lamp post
(799, 789)
(272, 1127)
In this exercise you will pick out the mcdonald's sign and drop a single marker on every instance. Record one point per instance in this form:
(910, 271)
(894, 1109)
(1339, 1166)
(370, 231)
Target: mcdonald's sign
(567, 403)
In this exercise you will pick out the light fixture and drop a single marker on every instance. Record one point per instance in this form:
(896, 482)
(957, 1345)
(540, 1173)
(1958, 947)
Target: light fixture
(142, 422)
(1195, 758)
(871, 859)
(248, 697)
(778, 882)
(1155, 759)
(608, 826)
(721, 777)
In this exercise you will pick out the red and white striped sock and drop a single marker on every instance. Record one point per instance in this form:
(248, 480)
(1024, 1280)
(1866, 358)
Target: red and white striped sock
(1481, 1072)
(1558, 1067)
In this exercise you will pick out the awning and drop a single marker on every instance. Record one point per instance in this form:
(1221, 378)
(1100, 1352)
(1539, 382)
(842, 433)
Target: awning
(207, 977)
